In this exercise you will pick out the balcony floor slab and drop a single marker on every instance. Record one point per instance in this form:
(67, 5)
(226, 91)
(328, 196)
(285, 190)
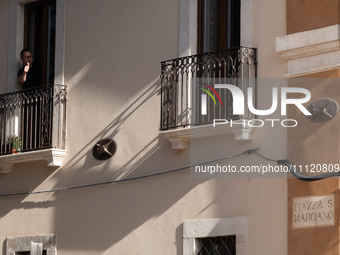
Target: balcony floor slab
(52, 156)
(180, 138)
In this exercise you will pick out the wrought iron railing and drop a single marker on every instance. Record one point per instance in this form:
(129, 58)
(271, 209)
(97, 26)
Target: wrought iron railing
(33, 119)
(181, 100)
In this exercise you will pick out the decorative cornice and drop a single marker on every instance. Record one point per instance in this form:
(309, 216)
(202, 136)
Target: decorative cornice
(53, 158)
(180, 138)
(310, 51)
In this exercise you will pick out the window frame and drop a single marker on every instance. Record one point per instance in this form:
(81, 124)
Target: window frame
(194, 229)
(23, 244)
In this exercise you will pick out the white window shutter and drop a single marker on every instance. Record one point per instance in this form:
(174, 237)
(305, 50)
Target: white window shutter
(36, 248)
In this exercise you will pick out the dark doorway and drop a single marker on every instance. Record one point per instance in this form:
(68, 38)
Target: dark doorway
(218, 25)
(40, 28)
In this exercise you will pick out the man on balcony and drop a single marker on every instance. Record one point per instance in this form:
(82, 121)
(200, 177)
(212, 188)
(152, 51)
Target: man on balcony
(30, 74)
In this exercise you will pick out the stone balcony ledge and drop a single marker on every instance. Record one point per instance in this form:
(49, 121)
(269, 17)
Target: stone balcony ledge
(52, 156)
(180, 138)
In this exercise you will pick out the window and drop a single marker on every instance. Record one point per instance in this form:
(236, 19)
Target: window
(221, 245)
(29, 253)
(31, 245)
(190, 27)
(40, 31)
(219, 23)
(17, 38)
(227, 236)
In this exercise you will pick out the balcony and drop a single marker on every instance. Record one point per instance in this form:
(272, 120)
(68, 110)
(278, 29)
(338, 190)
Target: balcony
(183, 84)
(33, 126)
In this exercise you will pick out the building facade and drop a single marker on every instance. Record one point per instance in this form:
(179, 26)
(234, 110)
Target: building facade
(110, 150)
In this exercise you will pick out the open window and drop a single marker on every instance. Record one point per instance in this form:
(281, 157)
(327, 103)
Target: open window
(40, 34)
(219, 23)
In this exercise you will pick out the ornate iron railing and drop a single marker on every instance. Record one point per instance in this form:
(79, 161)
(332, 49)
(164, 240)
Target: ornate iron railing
(33, 119)
(181, 100)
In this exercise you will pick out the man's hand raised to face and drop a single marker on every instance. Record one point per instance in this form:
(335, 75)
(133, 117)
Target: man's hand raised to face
(27, 67)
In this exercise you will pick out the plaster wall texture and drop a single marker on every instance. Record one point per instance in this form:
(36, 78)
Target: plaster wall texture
(4, 14)
(268, 22)
(311, 14)
(312, 29)
(304, 148)
(112, 54)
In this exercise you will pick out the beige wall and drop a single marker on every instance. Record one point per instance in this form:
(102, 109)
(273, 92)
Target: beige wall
(307, 145)
(311, 14)
(268, 23)
(314, 143)
(112, 55)
(4, 14)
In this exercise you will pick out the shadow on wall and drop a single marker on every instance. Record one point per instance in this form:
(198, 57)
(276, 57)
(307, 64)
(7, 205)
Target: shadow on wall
(111, 130)
(39, 172)
(25, 177)
(96, 218)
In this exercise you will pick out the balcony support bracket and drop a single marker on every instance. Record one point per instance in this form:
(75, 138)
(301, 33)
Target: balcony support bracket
(243, 134)
(180, 138)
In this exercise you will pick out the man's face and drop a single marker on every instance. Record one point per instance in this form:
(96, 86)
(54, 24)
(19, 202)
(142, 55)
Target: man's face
(27, 58)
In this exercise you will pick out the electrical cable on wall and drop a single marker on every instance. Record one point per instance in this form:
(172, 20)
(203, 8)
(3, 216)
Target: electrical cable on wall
(279, 162)
(306, 178)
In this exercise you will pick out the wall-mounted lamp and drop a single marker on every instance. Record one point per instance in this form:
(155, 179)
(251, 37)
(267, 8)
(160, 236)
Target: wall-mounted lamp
(104, 149)
(322, 110)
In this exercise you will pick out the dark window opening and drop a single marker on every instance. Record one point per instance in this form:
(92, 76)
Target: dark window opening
(40, 27)
(219, 24)
(29, 253)
(221, 245)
